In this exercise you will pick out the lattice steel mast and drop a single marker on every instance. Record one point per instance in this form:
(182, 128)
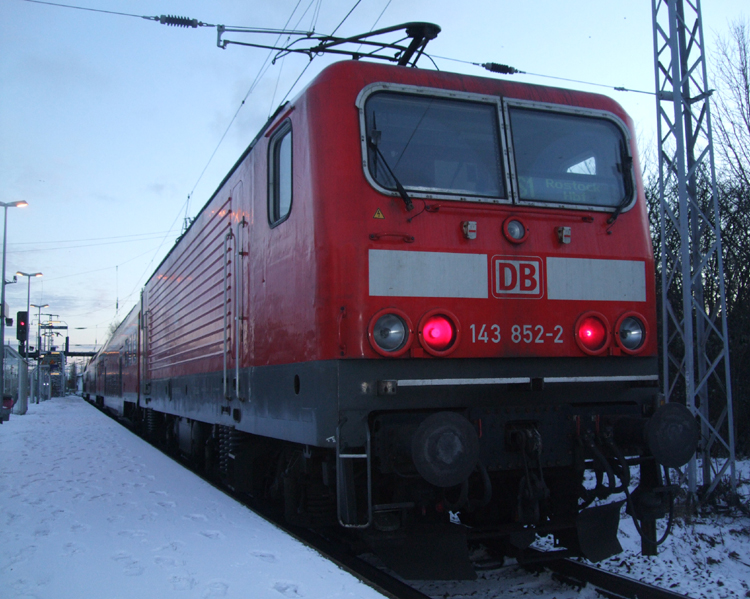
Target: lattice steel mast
(695, 343)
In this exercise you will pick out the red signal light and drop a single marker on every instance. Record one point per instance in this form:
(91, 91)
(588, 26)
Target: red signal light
(439, 332)
(22, 326)
(592, 333)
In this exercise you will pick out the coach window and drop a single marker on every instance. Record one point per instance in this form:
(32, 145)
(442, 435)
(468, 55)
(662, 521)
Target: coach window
(566, 158)
(280, 175)
(434, 145)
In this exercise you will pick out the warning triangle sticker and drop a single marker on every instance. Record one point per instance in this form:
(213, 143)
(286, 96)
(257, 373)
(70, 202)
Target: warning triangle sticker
(378, 214)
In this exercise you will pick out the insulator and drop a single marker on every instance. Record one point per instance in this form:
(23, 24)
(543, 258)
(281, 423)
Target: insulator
(501, 68)
(178, 21)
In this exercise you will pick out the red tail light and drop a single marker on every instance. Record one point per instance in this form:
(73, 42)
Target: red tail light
(439, 332)
(592, 333)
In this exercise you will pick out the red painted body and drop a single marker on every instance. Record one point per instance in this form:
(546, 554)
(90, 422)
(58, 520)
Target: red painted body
(260, 329)
(305, 287)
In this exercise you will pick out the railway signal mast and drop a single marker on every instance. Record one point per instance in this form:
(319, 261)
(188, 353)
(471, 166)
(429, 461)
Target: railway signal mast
(694, 323)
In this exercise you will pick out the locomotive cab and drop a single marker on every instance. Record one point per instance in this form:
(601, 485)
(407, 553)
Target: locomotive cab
(507, 305)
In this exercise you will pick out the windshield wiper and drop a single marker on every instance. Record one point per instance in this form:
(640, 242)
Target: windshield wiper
(626, 168)
(372, 143)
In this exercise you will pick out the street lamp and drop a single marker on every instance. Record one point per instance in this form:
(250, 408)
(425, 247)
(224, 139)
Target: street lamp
(23, 383)
(39, 348)
(5, 205)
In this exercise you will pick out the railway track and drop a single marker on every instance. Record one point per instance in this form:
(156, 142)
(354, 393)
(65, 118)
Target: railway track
(566, 571)
(609, 584)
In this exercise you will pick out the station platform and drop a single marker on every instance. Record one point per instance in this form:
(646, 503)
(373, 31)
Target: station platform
(87, 509)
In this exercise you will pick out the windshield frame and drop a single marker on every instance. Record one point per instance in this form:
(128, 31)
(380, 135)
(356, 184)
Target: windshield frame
(509, 103)
(433, 194)
(509, 176)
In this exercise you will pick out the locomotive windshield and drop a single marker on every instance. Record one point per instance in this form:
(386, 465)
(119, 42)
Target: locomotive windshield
(569, 159)
(434, 144)
(450, 145)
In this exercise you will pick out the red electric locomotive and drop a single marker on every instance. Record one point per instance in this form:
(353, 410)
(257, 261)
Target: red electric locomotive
(421, 304)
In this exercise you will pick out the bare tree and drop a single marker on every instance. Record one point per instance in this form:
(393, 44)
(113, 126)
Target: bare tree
(732, 103)
(731, 111)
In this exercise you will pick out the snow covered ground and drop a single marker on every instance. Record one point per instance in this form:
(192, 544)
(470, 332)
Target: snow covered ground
(706, 558)
(89, 510)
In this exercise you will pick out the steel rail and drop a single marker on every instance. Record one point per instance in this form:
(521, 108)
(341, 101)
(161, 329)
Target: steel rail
(610, 584)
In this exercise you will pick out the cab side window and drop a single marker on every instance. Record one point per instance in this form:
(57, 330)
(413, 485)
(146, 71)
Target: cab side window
(280, 175)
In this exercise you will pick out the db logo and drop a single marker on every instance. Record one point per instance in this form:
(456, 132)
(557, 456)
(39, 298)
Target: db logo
(517, 276)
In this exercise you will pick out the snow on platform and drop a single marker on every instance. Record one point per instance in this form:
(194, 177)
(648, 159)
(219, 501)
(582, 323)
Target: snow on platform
(87, 509)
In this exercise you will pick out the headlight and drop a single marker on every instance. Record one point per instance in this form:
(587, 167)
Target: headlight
(631, 333)
(515, 230)
(390, 332)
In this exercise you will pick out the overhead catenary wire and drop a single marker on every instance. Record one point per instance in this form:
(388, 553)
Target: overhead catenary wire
(173, 21)
(380, 16)
(316, 12)
(263, 68)
(351, 10)
(109, 238)
(99, 10)
(504, 69)
(186, 22)
(12, 250)
(281, 68)
(88, 272)
(163, 19)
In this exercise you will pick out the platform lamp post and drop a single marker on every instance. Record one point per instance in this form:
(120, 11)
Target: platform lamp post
(23, 386)
(39, 348)
(5, 205)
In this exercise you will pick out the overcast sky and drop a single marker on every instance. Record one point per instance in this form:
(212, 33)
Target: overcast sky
(108, 121)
